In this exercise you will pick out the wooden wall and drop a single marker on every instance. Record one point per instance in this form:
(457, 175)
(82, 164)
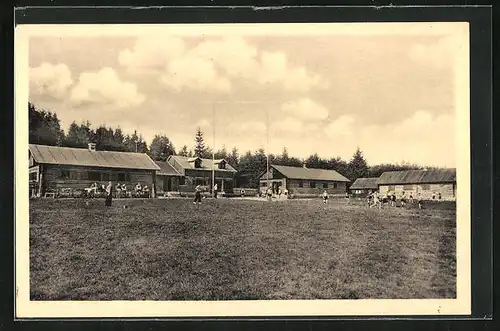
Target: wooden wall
(426, 190)
(306, 189)
(53, 177)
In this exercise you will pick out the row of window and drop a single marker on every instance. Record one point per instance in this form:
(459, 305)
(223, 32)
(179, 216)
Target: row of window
(312, 184)
(410, 187)
(94, 176)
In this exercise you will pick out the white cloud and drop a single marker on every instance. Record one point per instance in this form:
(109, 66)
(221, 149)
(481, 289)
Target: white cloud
(422, 138)
(440, 53)
(151, 53)
(257, 127)
(211, 64)
(288, 124)
(105, 87)
(195, 73)
(305, 109)
(50, 81)
(203, 123)
(342, 126)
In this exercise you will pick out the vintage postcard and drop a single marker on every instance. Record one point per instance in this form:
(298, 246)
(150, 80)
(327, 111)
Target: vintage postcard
(200, 170)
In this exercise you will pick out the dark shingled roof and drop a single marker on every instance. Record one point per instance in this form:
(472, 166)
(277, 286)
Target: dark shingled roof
(418, 176)
(206, 164)
(166, 169)
(310, 173)
(365, 184)
(84, 157)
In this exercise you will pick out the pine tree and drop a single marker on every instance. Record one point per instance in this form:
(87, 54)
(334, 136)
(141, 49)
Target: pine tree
(161, 148)
(200, 150)
(357, 166)
(184, 151)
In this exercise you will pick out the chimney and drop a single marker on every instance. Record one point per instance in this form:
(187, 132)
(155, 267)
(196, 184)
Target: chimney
(92, 147)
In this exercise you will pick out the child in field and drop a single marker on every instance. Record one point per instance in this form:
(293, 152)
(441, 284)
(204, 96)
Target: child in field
(118, 189)
(269, 193)
(109, 195)
(325, 197)
(419, 200)
(197, 195)
(403, 199)
(411, 197)
(393, 199)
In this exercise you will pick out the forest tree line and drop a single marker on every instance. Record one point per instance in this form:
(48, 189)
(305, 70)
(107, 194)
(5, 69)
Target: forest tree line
(45, 129)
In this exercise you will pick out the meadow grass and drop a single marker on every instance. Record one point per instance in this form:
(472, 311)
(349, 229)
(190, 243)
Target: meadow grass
(238, 249)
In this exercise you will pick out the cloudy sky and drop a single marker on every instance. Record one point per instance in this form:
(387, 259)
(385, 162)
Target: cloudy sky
(391, 95)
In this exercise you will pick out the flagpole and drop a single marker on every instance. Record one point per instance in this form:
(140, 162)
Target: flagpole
(267, 148)
(213, 152)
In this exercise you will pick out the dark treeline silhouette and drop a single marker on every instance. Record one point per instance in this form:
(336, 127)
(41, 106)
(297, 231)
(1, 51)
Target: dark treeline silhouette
(45, 129)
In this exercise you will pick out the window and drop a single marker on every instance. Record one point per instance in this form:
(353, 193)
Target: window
(222, 165)
(33, 176)
(325, 185)
(391, 188)
(408, 187)
(426, 186)
(313, 184)
(114, 177)
(124, 177)
(106, 176)
(73, 175)
(301, 184)
(334, 185)
(64, 175)
(94, 175)
(263, 184)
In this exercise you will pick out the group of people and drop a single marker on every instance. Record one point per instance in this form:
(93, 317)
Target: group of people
(377, 199)
(118, 191)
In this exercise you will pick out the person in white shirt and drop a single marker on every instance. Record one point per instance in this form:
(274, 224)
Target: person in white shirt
(325, 197)
(197, 195)
(215, 190)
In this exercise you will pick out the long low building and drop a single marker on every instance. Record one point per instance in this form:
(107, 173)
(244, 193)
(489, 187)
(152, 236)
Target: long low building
(303, 181)
(53, 169)
(429, 183)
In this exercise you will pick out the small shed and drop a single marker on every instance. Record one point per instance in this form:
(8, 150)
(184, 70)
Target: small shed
(364, 186)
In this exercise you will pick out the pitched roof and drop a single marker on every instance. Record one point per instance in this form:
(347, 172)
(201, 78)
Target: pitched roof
(310, 173)
(365, 184)
(84, 157)
(166, 169)
(418, 176)
(206, 164)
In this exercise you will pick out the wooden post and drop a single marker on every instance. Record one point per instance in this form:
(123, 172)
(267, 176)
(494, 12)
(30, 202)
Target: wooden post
(153, 189)
(40, 175)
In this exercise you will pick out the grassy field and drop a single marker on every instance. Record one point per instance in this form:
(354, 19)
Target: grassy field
(238, 249)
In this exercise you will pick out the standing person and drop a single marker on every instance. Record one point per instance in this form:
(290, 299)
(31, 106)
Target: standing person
(269, 193)
(118, 189)
(419, 200)
(439, 196)
(403, 199)
(215, 190)
(242, 192)
(109, 195)
(138, 189)
(393, 199)
(347, 197)
(279, 192)
(197, 195)
(411, 197)
(325, 197)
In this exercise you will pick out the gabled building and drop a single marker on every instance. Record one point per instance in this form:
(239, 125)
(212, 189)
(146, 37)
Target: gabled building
(53, 168)
(303, 181)
(364, 186)
(167, 178)
(429, 183)
(198, 171)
